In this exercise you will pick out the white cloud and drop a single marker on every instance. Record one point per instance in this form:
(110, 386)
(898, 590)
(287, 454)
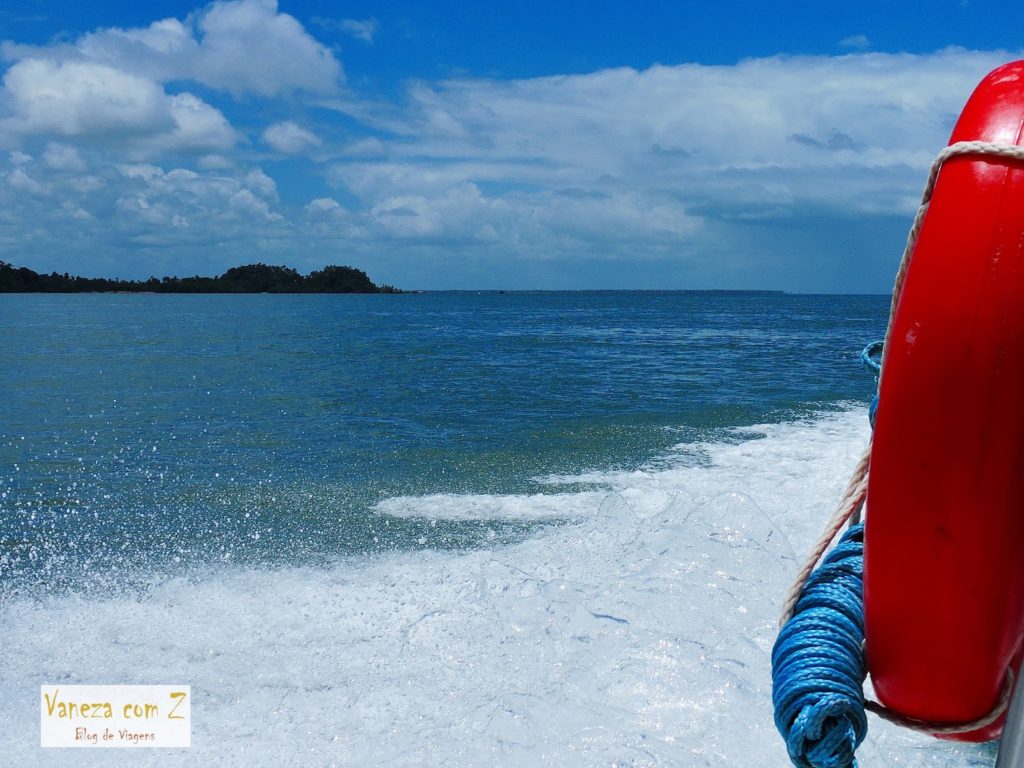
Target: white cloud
(701, 165)
(410, 216)
(75, 212)
(80, 98)
(62, 157)
(368, 147)
(101, 103)
(249, 47)
(697, 168)
(289, 138)
(323, 205)
(853, 133)
(150, 51)
(239, 46)
(460, 215)
(245, 202)
(361, 29)
(197, 125)
(857, 42)
(22, 182)
(108, 86)
(141, 171)
(145, 211)
(85, 184)
(141, 204)
(214, 162)
(264, 186)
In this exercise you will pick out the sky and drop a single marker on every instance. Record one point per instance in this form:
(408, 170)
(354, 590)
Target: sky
(455, 145)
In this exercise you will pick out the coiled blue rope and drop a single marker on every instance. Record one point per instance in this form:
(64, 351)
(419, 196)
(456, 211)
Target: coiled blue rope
(818, 666)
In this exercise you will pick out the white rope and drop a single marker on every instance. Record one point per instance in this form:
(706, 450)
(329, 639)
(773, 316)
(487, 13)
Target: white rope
(851, 503)
(856, 490)
(947, 729)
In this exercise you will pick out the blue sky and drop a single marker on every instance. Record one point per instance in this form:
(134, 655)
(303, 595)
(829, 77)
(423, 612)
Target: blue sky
(458, 145)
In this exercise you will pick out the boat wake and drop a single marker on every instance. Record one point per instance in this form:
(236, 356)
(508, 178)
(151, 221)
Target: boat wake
(634, 630)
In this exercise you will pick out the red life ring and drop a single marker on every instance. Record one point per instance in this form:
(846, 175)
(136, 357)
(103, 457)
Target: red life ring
(944, 540)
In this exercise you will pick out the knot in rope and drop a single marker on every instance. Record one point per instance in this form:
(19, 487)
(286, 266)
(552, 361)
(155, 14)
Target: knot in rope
(818, 666)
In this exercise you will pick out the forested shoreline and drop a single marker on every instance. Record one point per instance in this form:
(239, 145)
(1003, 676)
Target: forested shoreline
(250, 278)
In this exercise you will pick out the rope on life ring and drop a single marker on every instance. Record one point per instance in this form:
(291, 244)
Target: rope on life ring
(818, 665)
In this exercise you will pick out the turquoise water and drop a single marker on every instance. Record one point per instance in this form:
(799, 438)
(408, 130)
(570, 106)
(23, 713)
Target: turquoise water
(156, 432)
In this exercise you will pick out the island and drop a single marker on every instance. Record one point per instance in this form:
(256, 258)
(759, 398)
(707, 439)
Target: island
(250, 278)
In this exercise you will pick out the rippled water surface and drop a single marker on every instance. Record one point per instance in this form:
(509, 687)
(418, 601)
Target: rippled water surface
(182, 429)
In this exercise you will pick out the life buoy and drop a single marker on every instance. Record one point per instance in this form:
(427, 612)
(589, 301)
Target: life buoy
(944, 540)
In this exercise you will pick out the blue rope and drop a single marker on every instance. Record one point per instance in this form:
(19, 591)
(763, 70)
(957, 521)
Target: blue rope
(873, 411)
(818, 667)
(871, 356)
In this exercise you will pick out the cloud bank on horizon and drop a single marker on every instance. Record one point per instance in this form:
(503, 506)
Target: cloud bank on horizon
(235, 135)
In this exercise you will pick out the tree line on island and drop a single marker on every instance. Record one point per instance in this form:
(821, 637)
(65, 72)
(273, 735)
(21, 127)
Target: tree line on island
(251, 278)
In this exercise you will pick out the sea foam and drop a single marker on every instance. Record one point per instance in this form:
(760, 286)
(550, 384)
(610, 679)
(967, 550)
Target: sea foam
(635, 630)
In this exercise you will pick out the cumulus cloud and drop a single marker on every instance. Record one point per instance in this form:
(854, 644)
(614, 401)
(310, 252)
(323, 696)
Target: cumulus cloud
(248, 46)
(197, 125)
(124, 85)
(81, 98)
(245, 202)
(713, 171)
(238, 46)
(257, 181)
(139, 218)
(99, 102)
(323, 205)
(62, 157)
(289, 138)
(765, 134)
(689, 163)
(22, 182)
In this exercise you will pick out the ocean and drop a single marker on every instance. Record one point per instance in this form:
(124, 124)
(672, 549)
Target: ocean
(458, 529)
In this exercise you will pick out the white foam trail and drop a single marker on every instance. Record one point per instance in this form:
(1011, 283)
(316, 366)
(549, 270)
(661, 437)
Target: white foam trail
(637, 636)
(449, 506)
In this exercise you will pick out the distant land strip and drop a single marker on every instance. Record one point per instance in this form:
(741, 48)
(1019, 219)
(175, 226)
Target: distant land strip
(251, 278)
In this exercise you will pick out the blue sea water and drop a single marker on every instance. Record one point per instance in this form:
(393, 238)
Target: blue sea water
(146, 430)
(425, 529)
